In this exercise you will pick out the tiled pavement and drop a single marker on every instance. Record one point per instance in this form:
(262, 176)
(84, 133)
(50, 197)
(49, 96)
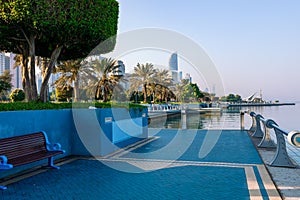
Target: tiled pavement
(232, 169)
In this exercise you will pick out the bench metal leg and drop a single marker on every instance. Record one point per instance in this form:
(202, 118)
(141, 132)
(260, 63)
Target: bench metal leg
(2, 187)
(51, 163)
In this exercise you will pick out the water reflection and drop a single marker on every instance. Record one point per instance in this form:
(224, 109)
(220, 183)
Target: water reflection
(198, 121)
(286, 117)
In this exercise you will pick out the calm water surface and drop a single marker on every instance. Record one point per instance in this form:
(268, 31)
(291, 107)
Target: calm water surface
(287, 117)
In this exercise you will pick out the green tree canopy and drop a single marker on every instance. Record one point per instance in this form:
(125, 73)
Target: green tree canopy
(231, 98)
(55, 29)
(197, 93)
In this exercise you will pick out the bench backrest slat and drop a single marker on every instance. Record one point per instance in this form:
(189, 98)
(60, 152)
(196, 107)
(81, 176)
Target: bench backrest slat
(19, 146)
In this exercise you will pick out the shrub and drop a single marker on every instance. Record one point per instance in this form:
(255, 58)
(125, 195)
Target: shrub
(17, 95)
(13, 106)
(64, 94)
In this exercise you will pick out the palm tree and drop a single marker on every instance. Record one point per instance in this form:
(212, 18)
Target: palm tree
(164, 82)
(70, 72)
(107, 81)
(143, 75)
(179, 89)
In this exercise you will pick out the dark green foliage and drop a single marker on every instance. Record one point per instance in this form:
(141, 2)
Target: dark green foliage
(64, 94)
(197, 91)
(232, 98)
(17, 95)
(79, 26)
(5, 81)
(54, 106)
(191, 93)
(55, 29)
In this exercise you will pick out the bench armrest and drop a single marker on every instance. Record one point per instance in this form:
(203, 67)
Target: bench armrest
(3, 163)
(53, 147)
(50, 146)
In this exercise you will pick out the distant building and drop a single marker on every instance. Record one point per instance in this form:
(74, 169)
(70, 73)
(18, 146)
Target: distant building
(173, 62)
(125, 84)
(173, 67)
(180, 76)
(2, 62)
(7, 62)
(188, 77)
(120, 69)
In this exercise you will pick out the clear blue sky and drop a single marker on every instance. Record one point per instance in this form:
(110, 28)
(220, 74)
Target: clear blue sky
(253, 44)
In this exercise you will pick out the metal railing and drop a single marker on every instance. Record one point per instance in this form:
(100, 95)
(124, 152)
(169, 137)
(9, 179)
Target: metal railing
(261, 127)
(163, 107)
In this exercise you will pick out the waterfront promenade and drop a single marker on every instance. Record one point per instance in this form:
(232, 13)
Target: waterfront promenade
(232, 169)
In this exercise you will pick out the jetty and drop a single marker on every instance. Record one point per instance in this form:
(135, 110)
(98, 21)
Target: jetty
(258, 104)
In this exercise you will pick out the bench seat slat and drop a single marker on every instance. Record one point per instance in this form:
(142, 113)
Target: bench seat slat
(33, 157)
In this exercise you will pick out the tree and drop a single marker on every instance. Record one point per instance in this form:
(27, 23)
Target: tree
(197, 93)
(179, 89)
(106, 82)
(17, 95)
(142, 76)
(5, 81)
(192, 92)
(57, 30)
(231, 98)
(70, 71)
(64, 93)
(163, 83)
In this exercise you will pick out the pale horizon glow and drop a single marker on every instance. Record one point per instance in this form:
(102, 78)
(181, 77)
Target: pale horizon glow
(253, 44)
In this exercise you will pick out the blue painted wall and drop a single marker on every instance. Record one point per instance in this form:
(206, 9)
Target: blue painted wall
(79, 131)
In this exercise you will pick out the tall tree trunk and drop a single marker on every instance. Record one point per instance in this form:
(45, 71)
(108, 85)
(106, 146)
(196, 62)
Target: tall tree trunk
(76, 89)
(43, 64)
(48, 71)
(25, 77)
(34, 94)
(145, 92)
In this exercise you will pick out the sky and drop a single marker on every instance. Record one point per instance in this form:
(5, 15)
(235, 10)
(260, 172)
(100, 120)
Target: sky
(254, 45)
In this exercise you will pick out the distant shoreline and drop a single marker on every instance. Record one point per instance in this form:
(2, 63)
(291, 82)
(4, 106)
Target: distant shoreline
(259, 104)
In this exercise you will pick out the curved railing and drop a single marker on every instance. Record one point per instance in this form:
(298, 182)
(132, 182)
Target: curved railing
(261, 127)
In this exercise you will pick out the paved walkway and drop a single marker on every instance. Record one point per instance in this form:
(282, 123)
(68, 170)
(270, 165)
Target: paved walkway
(287, 180)
(172, 164)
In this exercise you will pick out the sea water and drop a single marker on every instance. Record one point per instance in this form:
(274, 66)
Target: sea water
(287, 117)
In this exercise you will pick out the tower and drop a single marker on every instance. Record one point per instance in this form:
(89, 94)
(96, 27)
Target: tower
(173, 66)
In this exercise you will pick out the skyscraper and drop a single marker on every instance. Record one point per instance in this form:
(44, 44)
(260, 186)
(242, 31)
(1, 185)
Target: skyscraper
(173, 66)
(173, 62)
(6, 63)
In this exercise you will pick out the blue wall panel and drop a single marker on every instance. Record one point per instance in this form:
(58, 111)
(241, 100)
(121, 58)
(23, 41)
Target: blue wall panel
(79, 131)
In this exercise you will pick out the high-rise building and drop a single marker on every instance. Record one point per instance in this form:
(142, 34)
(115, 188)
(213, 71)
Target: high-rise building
(173, 62)
(2, 62)
(16, 72)
(173, 66)
(120, 69)
(180, 76)
(7, 63)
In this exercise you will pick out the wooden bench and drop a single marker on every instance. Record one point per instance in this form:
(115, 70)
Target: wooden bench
(21, 150)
